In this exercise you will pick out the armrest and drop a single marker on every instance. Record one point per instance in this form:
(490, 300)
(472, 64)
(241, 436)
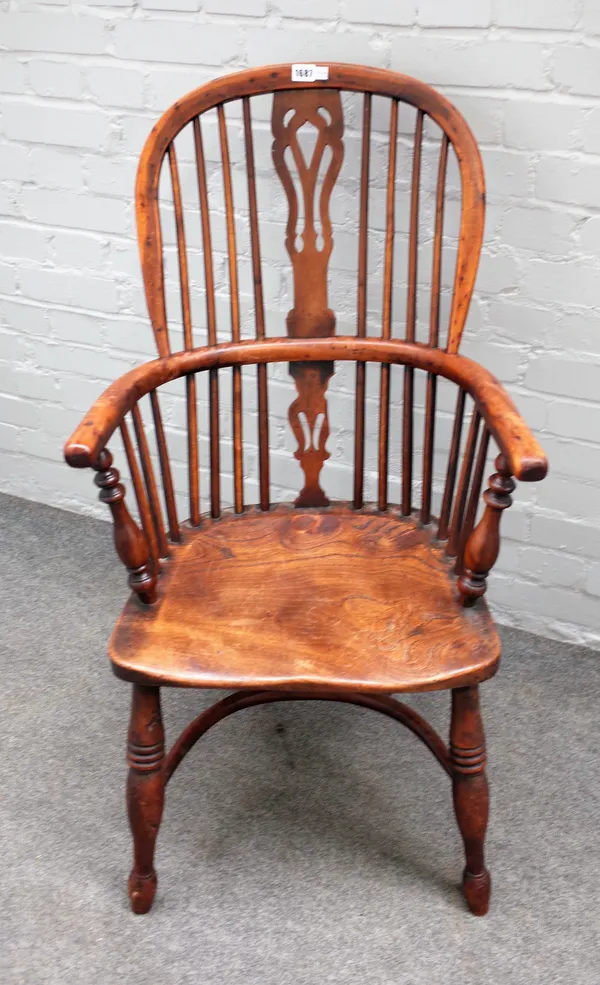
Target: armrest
(524, 456)
(520, 453)
(106, 413)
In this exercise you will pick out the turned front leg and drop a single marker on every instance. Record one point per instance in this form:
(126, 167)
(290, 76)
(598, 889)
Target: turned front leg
(470, 790)
(145, 791)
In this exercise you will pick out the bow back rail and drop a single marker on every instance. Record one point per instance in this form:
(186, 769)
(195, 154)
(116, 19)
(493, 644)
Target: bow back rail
(308, 182)
(275, 79)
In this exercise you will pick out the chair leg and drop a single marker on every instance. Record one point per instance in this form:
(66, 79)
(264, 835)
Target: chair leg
(145, 791)
(470, 790)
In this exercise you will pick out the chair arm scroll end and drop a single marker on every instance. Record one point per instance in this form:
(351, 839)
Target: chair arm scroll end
(527, 467)
(77, 454)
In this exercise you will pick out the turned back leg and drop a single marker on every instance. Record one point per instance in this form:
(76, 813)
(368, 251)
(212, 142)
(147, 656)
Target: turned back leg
(145, 791)
(470, 789)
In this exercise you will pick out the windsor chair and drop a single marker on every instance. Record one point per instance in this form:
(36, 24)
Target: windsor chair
(341, 601)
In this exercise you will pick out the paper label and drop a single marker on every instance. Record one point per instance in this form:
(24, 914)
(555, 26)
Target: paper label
(309, 73)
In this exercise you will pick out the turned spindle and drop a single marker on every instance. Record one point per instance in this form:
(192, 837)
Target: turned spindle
(483, 546)
(130, 542)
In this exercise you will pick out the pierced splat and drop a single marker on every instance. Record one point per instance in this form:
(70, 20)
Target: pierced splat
(309, 121)
(308, 418)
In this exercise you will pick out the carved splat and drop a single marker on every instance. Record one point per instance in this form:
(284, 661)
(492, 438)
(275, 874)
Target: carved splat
(309, 422)
(308, 185)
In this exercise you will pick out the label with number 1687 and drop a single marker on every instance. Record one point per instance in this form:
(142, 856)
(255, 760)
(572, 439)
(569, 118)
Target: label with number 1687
(309, 73)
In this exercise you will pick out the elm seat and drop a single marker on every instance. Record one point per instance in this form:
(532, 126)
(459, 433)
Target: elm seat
(339, 602)
(318, 599)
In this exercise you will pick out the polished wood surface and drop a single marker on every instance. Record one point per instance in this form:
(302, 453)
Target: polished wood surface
(342, 602)
(339, 598)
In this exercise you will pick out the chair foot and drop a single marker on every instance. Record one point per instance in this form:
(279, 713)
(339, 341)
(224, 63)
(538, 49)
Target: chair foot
(141, 891)
(470, 792)
(477, 888)
(145, 791)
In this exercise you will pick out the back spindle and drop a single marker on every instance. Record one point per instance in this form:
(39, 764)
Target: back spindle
(411, 320)
(181, 250)
(463, 486)
(165, 468)
(192, 450)
(209, 277)
(434, 334)
(448, 494)
(238, 481)
(470, 515)
(263, 409)
(211, 320)
(141, 496)
(215, 449)
(361, 325)
(149, 481)
(384, 395)
(190, 382)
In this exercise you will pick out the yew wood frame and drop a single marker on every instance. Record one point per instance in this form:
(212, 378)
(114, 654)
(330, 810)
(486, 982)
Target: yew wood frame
(474, 546)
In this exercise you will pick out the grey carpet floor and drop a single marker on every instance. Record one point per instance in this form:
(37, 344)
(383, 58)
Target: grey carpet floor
(302, 843)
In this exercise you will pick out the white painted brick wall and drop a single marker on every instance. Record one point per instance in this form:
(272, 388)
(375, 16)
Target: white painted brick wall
(81, 85)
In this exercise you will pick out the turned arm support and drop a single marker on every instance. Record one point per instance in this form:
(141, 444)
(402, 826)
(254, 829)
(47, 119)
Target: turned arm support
(483, 546)
(524, 456)
(130, 543)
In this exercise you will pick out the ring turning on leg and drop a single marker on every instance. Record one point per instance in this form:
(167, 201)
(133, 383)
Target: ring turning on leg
(145, 791)
(470, 790)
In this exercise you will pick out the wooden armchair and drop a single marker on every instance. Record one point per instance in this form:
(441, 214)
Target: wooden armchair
(344, 601)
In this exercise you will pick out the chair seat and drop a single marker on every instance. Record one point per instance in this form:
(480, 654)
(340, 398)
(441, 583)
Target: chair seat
(331, 598)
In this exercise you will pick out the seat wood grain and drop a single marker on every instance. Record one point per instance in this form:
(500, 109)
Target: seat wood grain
(329, 598)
